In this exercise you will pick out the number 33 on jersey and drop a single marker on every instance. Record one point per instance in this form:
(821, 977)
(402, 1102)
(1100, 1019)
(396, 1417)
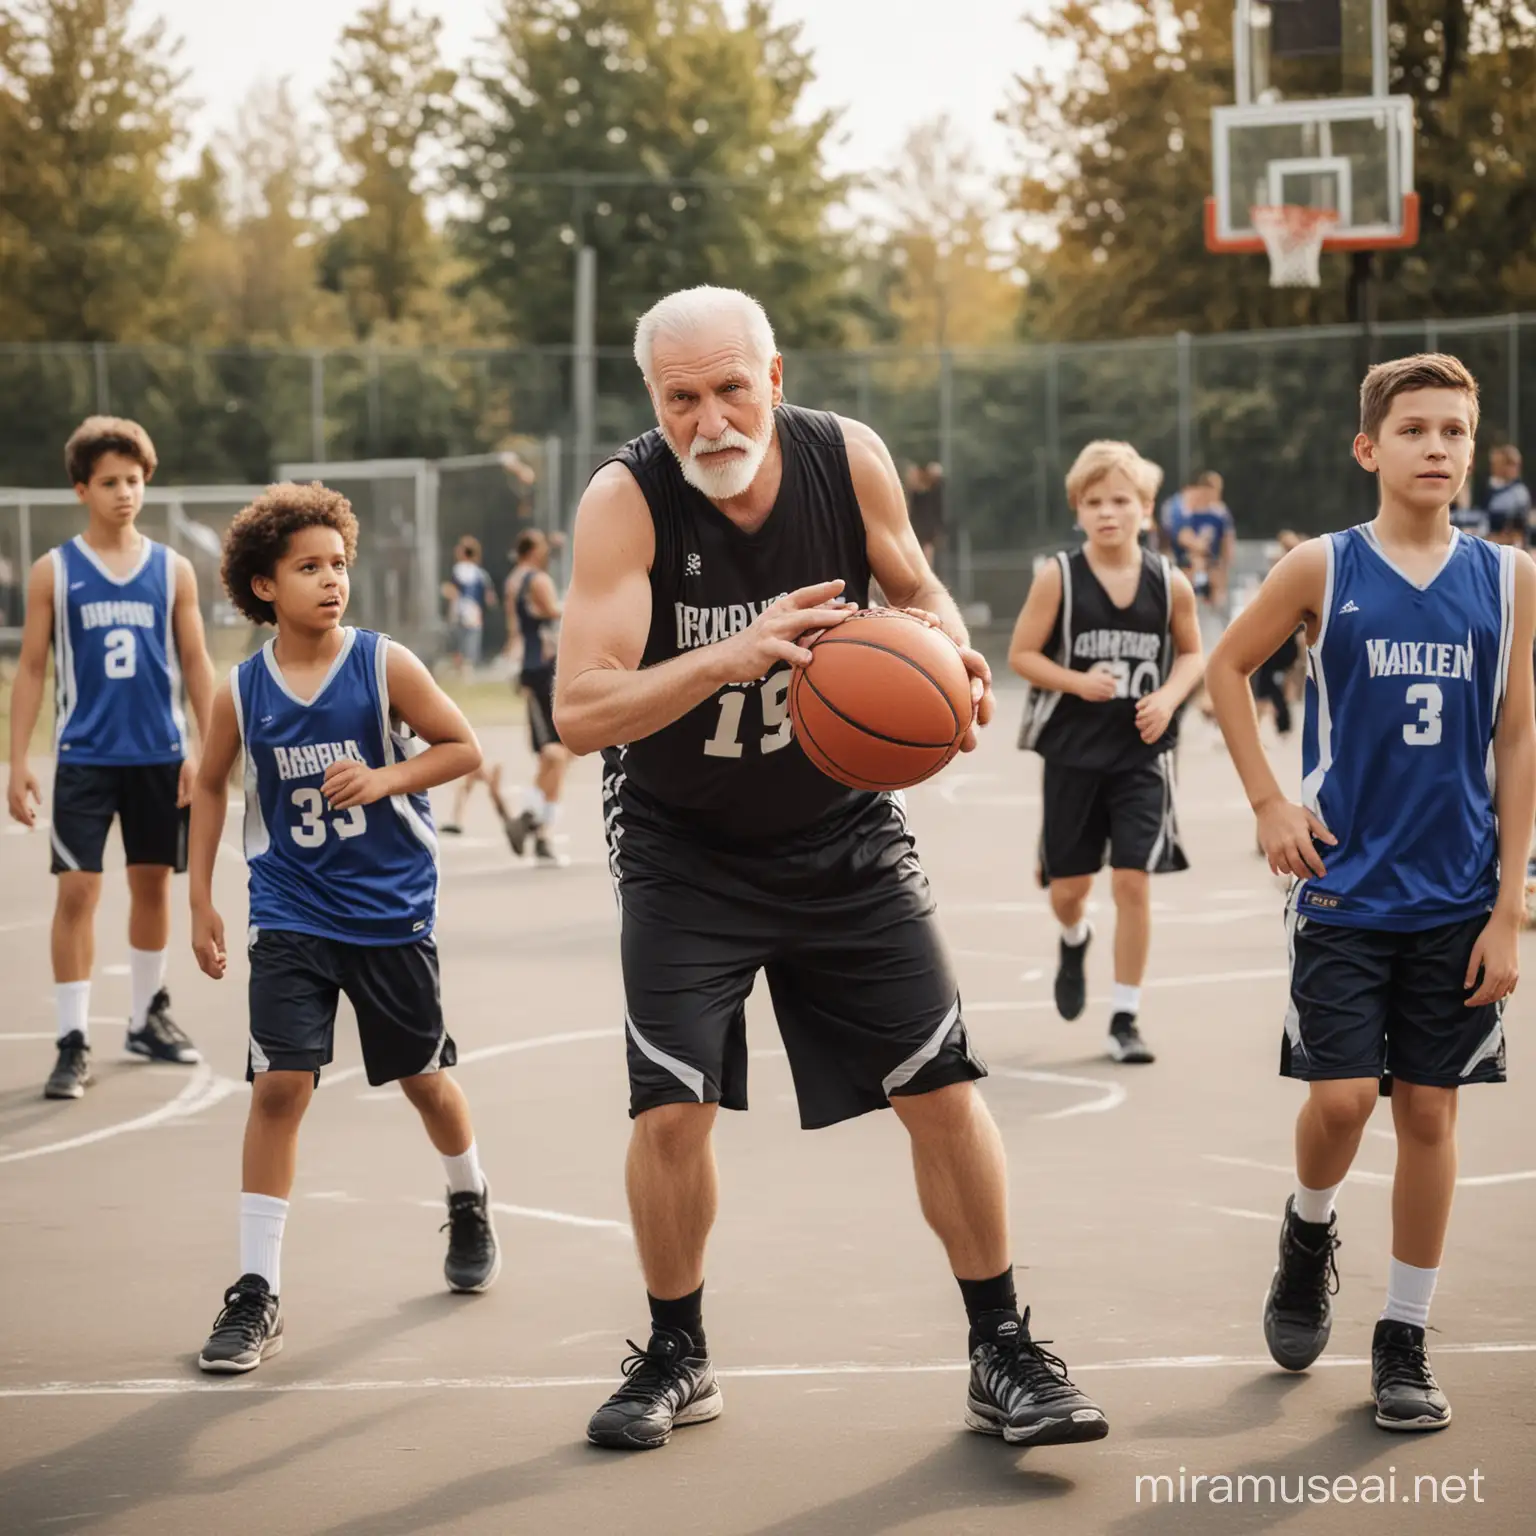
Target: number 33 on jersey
(1404, 687)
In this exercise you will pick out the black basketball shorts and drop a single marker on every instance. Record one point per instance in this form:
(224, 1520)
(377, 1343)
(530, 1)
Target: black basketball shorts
(539, 696)
(297, 980)
(842, 922)
(1124, 818)
(1370, 1002)
(142, 796)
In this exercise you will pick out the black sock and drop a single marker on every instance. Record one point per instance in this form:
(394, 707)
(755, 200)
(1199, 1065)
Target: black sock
(989, 1303)
(686, 1314)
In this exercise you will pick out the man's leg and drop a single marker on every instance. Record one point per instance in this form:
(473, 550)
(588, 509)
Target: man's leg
(673, 1188)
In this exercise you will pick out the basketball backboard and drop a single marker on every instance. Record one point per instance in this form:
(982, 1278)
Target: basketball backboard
(1313, 127)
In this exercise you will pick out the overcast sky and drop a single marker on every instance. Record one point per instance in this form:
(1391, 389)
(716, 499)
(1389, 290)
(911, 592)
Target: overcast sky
(955, 57)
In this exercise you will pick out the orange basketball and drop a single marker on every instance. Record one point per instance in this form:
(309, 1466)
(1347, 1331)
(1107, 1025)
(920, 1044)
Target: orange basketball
(884, 702)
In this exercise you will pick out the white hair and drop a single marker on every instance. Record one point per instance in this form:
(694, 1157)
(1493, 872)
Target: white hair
(693, 310)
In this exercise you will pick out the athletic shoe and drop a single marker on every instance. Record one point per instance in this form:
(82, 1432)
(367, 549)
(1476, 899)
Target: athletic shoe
(1125, 1042)
(518, 829)
(1298, 1314)
(247, 1331)
(1071, 983)
(71, 1074)
(474, 1255)
(1406, 1392)
(544, 852)
(666, 1385)
(1020, 1391)
(451, 829)
(162, 1038)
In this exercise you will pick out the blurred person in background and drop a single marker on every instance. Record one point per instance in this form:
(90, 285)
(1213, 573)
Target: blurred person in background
(925, 507)
(1506, 500)
(468, 592)
(1275, 683)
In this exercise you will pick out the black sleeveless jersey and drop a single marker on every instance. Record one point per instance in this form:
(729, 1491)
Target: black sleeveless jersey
(1134, 644)
(730, 771)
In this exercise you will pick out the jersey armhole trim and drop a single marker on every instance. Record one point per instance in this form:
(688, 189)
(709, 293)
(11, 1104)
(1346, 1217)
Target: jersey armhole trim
(63, 652)
(401, 803)
(1323, 619)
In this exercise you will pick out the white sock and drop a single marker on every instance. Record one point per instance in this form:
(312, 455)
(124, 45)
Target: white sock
(261, 1238)
(1315, 1205)
(73, 1001)
(1076, 935)
(534, 803)
(1409, 1293)
(1125, 999)
(551, 814)
(464, 1176)
(146, 975)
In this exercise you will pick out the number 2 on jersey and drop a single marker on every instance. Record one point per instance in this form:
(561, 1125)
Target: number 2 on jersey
(310, 832)
(1426, 731)
(726, 742)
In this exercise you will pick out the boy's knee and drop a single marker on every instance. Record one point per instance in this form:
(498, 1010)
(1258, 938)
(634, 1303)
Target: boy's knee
(1131, 888)
(1426, 1115)
(672, 1131)
(77, 896)
(1342, 1108)
(281, 1095)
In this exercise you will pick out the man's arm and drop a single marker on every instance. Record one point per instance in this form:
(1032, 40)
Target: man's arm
(542, 597)
(23, 794)
(896, 559)
(1291, 595)
(220, 741)
(603, 698)
(196, 665)
(1497, 952)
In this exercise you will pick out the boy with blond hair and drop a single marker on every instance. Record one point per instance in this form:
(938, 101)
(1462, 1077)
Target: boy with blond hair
(1407, 849)
(1109, 640)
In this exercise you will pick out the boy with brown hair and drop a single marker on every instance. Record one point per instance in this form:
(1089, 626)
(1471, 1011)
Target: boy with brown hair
(1408, 850)
(121, 615)
(1109, 639)
(343, 882)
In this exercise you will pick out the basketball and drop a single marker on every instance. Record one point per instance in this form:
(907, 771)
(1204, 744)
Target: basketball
(884, 702)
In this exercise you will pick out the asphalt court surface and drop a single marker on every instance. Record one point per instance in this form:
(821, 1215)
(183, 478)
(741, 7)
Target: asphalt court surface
(1145, 1205)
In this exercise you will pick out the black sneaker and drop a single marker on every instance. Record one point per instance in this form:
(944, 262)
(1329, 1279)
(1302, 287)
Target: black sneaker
(162, 1038)
(71, 1074)
(544, 851)
(666, 1385)
(247, 1331)
(518, 829)
(451, 829)
(1406, 1392)
(1019, 1390)
(474, 1255)
(1125, 1042)
(1071, 983)
(1298, 1314)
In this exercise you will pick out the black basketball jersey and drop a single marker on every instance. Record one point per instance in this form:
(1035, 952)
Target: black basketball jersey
(731, 767)
(1134, 645)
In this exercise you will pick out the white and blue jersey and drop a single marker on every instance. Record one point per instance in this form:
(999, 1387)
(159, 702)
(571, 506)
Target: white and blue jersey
(1404, 688)
(117, 678)
(367, 875)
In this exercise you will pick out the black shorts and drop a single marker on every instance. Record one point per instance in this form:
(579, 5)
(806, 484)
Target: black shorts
(1124, 818)
(141, 795)
(842, 921)
(539, 695)
(1369, 1002)
(296, 980)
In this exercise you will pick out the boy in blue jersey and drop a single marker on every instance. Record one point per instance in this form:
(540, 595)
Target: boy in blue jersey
(120, 613)
(1408, 850)
(343, 882)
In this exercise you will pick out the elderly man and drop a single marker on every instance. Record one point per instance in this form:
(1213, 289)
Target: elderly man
(703, 553)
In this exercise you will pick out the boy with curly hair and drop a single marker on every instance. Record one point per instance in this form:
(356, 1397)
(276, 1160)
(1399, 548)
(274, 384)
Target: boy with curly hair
(343, 882)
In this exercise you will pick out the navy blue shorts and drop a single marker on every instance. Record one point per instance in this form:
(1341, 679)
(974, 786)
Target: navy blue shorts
(1372, 1002)
(142, 798)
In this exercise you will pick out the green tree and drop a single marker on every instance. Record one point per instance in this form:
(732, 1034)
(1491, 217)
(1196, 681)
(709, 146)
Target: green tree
(652, 99)
(389, 100)
(91, 111)
(1116, 151)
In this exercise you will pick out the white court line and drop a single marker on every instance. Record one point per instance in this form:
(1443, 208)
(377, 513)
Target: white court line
(1111, 1095)
(537, 1213)
(180, 1385)
(201, 1091)
(484, 1053)
(1237, 1210)
(31, 922)
(46, 1034)
(1213, 978)
(1472, 1181)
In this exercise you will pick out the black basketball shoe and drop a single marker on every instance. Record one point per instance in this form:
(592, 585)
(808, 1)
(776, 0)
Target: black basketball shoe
(1125, 1042)
(247, 1331)
(71, 1074)
(1021, 1391)
(519, 829)
(1298, 1312)
(1071, 983)
(474, 1255)
(162, 1038)
(1406, 1392)
(666, 1385)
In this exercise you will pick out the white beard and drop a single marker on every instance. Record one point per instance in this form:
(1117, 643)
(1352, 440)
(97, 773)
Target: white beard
(722, 482)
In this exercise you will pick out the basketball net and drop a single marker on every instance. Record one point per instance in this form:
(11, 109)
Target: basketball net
(1294, 238)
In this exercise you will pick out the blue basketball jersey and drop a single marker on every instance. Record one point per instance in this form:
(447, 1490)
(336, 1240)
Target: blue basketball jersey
(117, 678)
(1404, 687)
(367, 875)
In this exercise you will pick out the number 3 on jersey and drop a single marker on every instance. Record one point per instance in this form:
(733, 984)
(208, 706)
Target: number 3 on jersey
(1425, 732)
(310, 832)
(774, 691)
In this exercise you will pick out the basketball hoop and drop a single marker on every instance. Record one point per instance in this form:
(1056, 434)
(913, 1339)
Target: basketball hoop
(1294, 238)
